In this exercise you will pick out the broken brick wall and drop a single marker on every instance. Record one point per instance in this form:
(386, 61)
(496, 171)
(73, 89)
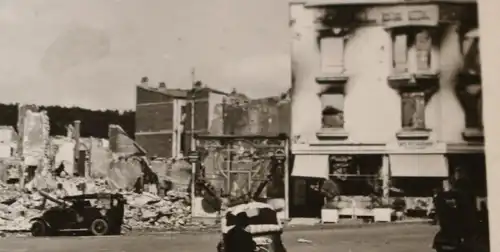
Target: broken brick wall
(119, 141)
(268, 116)
(154, 116)
(35, 137)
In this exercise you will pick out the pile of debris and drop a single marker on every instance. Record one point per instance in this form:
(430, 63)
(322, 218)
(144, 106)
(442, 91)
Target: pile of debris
(148, 211)
(17, 208)
(143, 210)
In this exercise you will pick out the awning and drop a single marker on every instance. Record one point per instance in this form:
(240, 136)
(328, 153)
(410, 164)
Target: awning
(418, 165)
(311, 166)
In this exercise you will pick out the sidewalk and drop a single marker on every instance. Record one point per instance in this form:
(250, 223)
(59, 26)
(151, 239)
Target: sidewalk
(353, 225)
(288, 228)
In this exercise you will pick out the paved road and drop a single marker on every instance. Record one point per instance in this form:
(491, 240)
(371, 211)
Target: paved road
(411, 238)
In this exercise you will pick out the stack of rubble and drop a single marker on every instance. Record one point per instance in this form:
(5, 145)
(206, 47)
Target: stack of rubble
(16, 209)
(148, 211)
(143, 211)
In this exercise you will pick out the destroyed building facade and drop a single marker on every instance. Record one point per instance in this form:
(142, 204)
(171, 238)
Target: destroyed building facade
(400, 112)
(252, 133)
(163, 116)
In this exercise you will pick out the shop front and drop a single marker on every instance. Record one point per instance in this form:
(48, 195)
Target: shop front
(353, 177)
(368, 178)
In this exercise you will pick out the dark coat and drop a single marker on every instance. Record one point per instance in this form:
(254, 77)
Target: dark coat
(238, 240)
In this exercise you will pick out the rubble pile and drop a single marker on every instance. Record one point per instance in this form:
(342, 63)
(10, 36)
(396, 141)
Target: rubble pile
(16, 209)
(148, 211)
(44, 164)
(142, 211)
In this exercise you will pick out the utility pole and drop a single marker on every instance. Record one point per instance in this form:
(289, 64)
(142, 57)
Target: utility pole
(193, 164)
(193, 80)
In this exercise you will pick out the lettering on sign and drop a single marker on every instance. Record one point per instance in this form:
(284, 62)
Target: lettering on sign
(415, 145)
(418, 15)
(392, 16)
(428, 15)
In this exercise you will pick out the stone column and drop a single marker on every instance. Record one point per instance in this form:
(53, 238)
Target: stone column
(385, 174)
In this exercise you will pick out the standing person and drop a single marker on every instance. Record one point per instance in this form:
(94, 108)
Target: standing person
(60, 191)
(456, 215)
(238, 239)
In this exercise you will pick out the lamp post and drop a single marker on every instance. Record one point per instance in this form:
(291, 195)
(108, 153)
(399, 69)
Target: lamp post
(192, 118)
(193, 91)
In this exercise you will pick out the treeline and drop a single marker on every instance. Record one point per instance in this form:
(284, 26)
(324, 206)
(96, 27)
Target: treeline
(93, 123)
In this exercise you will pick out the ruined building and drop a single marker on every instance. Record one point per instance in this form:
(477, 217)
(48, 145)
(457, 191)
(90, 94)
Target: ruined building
(163, 116)
(387, 97)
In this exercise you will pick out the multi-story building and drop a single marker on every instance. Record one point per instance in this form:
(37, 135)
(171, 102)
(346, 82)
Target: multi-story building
(163, 117)
(386, 95)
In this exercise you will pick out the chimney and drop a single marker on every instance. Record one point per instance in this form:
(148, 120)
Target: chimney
(112, 137)
(162, 85)
(197, 85)
(145, 81)
(76, 154)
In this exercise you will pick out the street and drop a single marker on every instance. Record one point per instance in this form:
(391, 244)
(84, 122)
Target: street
(397, 238)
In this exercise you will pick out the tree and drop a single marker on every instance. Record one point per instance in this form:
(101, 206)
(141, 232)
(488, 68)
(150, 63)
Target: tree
(93, 123)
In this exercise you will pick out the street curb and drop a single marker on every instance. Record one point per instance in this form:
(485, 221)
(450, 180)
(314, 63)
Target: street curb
(290, 228)
(297, 228)
(353, 225)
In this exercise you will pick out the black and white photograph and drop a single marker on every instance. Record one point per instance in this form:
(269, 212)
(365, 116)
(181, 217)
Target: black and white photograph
(247, 126)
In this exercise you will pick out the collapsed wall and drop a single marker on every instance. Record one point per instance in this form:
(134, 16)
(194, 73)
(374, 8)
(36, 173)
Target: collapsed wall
(123, 170)
(266, 116)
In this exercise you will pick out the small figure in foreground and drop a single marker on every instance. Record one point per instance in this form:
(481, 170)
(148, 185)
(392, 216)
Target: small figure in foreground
(238, 239)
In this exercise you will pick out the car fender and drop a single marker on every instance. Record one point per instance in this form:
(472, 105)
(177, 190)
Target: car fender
(40, 219)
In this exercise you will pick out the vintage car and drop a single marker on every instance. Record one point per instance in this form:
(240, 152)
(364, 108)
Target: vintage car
(101, 214)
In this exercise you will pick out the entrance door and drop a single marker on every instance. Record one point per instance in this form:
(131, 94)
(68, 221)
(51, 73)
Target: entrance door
(305, 202)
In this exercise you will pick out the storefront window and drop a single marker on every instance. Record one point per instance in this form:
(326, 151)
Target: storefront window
(355, 174)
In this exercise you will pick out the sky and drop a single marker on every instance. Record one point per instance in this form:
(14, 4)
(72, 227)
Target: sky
(92, 53)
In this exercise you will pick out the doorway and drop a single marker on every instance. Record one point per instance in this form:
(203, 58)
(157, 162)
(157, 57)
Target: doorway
(305, 200)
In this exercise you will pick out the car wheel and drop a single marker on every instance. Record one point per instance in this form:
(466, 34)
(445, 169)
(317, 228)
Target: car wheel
(39, 228)
(99, 227)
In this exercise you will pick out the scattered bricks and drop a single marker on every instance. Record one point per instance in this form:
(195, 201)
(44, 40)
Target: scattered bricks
(147, 215)
(143, 211)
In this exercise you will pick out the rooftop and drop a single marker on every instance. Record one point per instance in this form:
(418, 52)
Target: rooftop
(179, 93)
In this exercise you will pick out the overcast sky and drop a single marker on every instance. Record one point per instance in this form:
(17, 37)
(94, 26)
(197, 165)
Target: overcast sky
(91, 53)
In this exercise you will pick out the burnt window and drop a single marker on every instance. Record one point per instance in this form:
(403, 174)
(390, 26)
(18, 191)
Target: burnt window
(332, 54)
(413, 110)
(332, 110)
(412, 50)
(472, 57)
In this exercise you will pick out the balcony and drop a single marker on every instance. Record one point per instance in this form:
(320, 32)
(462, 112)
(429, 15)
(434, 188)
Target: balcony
(414, 81)
(332, 134)
(413, 134)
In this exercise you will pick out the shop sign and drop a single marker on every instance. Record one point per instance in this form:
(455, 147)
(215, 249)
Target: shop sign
(415, 145)
(427, 15)
(340, 158)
